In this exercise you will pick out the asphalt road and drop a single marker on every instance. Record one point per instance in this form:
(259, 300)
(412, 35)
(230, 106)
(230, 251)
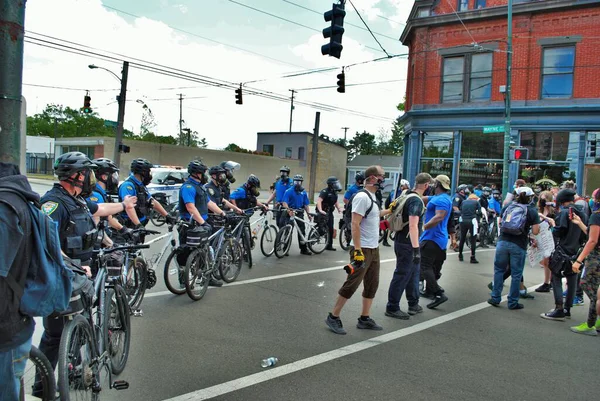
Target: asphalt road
(464, 350)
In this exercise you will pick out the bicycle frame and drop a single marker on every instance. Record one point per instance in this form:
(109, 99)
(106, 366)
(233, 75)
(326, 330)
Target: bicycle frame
(309, 225)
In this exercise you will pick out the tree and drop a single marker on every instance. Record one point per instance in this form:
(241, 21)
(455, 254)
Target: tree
(362, 144)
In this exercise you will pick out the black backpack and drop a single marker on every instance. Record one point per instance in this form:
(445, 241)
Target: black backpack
(347, 218)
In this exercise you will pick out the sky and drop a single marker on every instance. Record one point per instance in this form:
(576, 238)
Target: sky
(223, 40)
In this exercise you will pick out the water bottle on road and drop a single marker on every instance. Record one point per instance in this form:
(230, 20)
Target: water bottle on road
(265, 363)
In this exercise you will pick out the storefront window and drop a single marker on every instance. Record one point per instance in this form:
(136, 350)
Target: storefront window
(437, 166)
(545, 175)
(553, 146)
(438, 144)
(474, 172)
(478, 145)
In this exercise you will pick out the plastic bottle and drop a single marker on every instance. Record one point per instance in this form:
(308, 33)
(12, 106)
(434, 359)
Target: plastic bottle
(272, 361)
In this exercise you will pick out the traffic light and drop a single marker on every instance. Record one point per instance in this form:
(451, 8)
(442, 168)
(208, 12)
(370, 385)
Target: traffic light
(124, 148)
(87, 104)
(593, 146)
(238, 96)
(519, 154)
(335, 31)
(341, 83)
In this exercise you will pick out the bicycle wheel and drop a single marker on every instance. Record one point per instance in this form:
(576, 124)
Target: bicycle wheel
(117, 328)
(77, 368)
(317, 242)
(247, 250)
(230, 264)
(38, 378)
(267, 240)
(135, 284)
(345, 237)
(283, 241)
(196, 274)
(174, 273)
(157, 219)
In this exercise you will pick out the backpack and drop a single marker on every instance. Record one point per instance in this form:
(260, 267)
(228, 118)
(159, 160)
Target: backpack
(514, 219)
(347, 218)
(396, 218)
(48, 285)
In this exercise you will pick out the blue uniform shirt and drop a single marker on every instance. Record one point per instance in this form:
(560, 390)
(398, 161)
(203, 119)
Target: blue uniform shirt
(439, 233)
(351, 191)
(238, 194)
(98, 195)
(127, 188)
(296, 200)
(188, 193)
(281, 186)
(494, 205)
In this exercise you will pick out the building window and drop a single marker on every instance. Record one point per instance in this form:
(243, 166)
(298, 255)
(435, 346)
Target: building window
(268, 149)
(423, 12)
(557, 72)
(87, 150)
(479, 4)
(438, 145)
(301, 153)
(478, 87)
(463, 5)
(288, 153)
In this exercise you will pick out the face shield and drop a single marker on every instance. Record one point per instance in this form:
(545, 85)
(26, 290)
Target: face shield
(89, 183)
(336, 186)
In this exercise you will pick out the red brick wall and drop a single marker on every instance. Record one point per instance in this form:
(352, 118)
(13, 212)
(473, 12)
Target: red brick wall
(446, 6)
(527, 29)
(99, 152)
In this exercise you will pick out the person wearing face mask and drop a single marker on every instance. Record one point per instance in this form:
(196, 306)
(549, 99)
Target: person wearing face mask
(326, 202)
(229, 167)
(135, 185)
(246, 196)
(66, 204)
(281, 186)
(218, 178)
(359, 179)
(297, 198)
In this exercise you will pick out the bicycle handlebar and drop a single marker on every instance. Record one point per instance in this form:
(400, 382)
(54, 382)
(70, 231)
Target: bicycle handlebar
(121, 248)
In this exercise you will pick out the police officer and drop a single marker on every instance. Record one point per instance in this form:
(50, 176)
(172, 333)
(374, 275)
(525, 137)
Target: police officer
(326, 202)
(194, 203)
(281, 186)
(359, 179)
(296, 198)
(65, 203)
(246, 196)
(218, 179)
(135, 185)
(230, 167)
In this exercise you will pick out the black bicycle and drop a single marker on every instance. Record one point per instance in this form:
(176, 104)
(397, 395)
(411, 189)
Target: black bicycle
(44, 383)
(172, 209)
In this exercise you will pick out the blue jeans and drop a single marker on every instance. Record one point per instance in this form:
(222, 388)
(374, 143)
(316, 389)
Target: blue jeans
(406, 277)
(12, 367)
(507, 252)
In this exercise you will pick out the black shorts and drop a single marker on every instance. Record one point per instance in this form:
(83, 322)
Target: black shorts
(451, 225)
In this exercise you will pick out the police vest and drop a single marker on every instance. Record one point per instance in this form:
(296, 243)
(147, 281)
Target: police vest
(214, 191)
(142, 207)
(329, 199)
(248, 202)
(77, 238)
(200, 200)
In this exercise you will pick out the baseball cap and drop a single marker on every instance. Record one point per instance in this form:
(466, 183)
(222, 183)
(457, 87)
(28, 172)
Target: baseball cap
(444, 180)
(565, 195)
(526, 190)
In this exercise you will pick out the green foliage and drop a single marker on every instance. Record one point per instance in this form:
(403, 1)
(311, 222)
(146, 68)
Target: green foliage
(232, 147)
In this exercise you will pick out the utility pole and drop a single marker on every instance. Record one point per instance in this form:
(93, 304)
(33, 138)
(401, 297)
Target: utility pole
(121, 117)
(345, 132)
(314, 158)
(181, 117)
(507, 103)
(12, 21)
(292, 108)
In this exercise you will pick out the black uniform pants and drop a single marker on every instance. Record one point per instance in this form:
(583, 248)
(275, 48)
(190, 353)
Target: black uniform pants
(467, 227)
(301, 227)
(330, 219)
(281, 216)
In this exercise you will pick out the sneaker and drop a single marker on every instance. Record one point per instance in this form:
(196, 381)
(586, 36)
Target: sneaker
(516, 307)
(335, 325)
(426, 294)
(598, 325)
(525, 295)
(398, 314)
(567, 314)
(473, 260)
(215, 283)
(330, 248)
(368, 324)
(437, 301)
(413, 310)
(386, 244)
(305, 252)
(578, 301)
(460, 257)
(583, 328)
(492, 302)
(441, 289)
(543, 288)
(555, 314)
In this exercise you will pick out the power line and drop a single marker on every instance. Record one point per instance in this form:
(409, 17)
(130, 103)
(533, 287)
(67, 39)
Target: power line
(69, 89)
(461, 21)
(391, 20)
(357, 84)
(367, 26)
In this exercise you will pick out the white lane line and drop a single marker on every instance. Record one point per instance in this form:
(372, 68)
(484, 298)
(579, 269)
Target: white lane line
(282, 276)
(263, 376)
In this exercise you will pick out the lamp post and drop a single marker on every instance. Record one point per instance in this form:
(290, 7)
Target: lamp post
(121, 115)
(507, 102)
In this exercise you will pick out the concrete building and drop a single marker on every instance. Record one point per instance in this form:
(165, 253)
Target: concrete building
(392, 165)
(454, 83)
(39, 154)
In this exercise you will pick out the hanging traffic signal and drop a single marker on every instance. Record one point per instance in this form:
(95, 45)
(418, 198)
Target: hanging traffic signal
(87, 104)
(341, 83)
(335, 31)
(519, 154)
(238, 95)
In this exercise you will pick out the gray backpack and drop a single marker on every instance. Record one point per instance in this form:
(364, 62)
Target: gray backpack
(514, 219)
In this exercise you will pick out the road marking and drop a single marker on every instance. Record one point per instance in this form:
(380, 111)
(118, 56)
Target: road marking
(284, 370)
(282, 276)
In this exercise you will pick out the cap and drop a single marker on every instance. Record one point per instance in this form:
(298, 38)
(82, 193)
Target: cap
(526, 190)
(565, 195)
(444, 180)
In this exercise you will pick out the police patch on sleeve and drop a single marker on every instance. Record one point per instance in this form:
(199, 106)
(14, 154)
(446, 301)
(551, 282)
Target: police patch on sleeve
(211, 191)
(49, 207)
(93, 199)
(457, 199)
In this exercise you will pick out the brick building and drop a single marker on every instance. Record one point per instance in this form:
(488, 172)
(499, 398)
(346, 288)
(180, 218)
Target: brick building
(457, 72)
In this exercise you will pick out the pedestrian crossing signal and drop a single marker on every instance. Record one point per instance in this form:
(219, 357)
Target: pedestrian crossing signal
(519, 154)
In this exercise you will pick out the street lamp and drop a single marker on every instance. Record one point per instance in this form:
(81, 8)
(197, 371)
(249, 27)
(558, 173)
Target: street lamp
(93, 67)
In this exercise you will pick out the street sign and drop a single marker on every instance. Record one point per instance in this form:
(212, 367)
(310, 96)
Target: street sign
(493, 129)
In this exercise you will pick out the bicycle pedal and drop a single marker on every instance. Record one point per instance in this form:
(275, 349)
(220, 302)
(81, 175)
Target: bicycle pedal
(138, 313)
(120, 385)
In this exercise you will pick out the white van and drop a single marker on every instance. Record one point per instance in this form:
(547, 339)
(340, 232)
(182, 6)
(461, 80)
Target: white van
(167, 180)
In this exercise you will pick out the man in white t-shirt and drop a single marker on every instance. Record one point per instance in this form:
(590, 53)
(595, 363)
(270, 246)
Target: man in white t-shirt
(364, 254)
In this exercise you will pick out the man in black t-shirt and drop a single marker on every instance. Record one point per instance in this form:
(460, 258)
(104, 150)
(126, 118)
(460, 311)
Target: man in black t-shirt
(408, 254)
(470, 210)
(326, 202)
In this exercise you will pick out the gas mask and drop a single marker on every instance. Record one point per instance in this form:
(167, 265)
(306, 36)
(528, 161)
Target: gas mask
(146, 177)
(89, 183)
(229, 176)
(298, 186)
(202, 178)
(284, 175)
(112, 182)
(222, 178)
(254, 191)
(380, 183)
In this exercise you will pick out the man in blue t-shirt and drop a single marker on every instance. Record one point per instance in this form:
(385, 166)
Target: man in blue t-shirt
(296, 198)
(434, 239)
(358, 185)
(281, 185)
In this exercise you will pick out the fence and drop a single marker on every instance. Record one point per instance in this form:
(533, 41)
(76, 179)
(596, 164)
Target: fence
(39, 163)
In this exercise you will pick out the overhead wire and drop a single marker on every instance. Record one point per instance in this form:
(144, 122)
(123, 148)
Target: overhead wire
(369, 29)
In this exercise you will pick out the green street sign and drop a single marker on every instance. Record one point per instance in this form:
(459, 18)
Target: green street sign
(493, 129)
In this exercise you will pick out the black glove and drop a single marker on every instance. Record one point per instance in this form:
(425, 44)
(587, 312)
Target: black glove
(207, 227)
(416, 256)
(126, 233)
(170, 220)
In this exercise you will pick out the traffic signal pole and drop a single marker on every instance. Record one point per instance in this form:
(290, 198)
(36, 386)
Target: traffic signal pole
(12, 21)
(507, 104)
(121, 117)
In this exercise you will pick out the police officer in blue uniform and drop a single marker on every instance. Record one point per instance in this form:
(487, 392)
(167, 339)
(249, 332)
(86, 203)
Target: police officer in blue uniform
(135, 185)
(246, 196)
(65, 203)
(281, 186)
(218, 178)
(326, 203)
(359, 179)
(296, 198)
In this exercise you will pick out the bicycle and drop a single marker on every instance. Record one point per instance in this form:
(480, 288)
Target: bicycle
(313, 238)
(172, 209)
(46, 390)
(345, 235)
(93, 341)
(267, 238)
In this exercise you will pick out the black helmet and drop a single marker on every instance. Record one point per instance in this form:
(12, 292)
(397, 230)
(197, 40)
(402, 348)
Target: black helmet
(253, 181)
(332, 180)
(487, 191)
(70, 163)
(334, 183)
(216, 170)
(462, 188)
(140, 166)
(359, 177)
(105, 166)
(285, 168)
(196, 167)
(298, 177)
